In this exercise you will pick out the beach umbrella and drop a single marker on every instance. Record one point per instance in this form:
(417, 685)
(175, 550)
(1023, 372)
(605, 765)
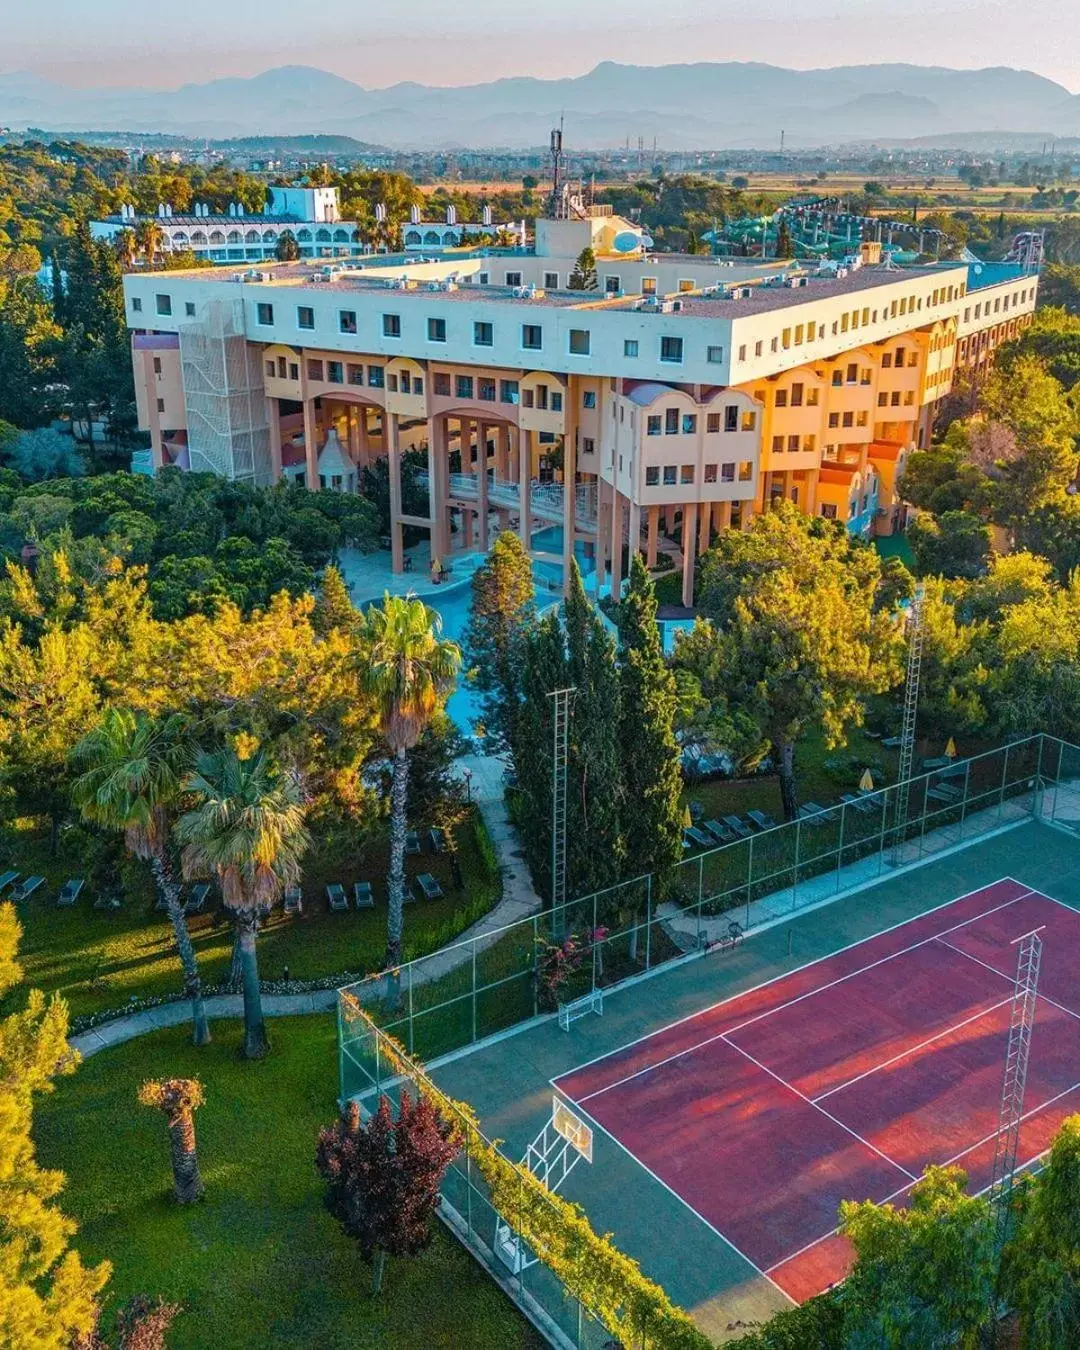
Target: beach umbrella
(950, 749)
(866, 782)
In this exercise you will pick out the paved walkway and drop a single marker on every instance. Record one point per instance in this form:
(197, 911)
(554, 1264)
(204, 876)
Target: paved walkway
(519, 900)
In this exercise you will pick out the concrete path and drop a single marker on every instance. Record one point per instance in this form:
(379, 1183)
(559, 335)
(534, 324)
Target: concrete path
(519, 900)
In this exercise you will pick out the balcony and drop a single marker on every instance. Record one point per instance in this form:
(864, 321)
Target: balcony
(546, 500)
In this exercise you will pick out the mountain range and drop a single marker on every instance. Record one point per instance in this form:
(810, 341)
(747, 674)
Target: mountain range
(706, 105)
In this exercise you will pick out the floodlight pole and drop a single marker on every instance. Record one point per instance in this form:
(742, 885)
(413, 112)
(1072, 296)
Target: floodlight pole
(911, 712)
(560, 733)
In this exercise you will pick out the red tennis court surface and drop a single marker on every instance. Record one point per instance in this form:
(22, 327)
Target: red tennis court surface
(844, 1079)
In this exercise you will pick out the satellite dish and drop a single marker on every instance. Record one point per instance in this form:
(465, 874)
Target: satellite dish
(626, 241)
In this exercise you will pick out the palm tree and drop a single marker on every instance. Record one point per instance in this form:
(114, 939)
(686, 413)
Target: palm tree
(179, 1099)
(248, 830)
(408, 671)
(134, 767)
(150, 239)
(126, 249)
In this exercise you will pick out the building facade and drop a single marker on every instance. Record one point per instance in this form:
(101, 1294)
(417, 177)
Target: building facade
(674, 401)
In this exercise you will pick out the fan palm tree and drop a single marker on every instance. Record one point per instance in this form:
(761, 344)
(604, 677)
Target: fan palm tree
(127, 249)
(150, 239)
(132, 780)
(179, 1099)
(408, 671)
(248, 830)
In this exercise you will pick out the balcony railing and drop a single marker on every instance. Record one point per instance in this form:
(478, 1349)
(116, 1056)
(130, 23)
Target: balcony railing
(546, 500)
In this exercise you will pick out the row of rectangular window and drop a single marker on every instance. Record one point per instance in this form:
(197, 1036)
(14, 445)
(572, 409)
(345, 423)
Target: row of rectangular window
(794, 444)
(670, 423)
(672, 475)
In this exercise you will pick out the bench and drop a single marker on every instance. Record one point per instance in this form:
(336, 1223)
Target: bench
(581, 1007)
(728, 940)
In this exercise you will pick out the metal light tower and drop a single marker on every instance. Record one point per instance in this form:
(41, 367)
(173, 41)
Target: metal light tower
(911, 711)
(561, 732)
(1015, 1080)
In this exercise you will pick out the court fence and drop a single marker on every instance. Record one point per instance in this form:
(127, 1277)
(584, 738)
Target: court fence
(466, 992)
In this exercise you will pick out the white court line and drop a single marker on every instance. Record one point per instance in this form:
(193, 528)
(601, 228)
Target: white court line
(893, 1195)
(903, 1054)
(828, 956)
(828, 1115)
(682, 1200)
(1011, 979)
(781, 1007)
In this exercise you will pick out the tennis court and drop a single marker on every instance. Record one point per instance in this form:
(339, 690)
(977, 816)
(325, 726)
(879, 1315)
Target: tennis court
(844, 1078)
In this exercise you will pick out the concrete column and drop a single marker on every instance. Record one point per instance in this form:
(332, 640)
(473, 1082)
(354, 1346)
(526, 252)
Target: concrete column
(633, 512)
(273, 418)
(397, 543)
(569, 503)
(689, 532)
(704, 525)
(810, 506)
(355, 448)
(157, 441)
(749, 511)
(311, 446)
(438, 468)
(502, 451)
(654, 536)
(521, 455)
(616, 543)
(723, 510)
(482, 490)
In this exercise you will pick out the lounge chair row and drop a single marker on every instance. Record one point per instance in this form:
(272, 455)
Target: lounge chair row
(425, 887)
(195, 902)
(435, 838)
(709, 833)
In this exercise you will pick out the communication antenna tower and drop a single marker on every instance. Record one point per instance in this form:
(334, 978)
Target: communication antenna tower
(557, 171)
(1015, 1080)
(561, 734)
(911, 711)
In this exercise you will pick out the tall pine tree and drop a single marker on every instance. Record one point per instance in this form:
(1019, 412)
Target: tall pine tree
(503, 612)
(648, 750)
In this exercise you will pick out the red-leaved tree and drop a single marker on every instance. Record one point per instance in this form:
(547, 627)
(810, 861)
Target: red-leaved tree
(383, 1176)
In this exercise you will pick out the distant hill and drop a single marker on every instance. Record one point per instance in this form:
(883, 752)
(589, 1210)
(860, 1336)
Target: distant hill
(704, 105)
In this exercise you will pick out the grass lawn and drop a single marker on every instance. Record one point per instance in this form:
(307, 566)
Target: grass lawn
(99, 959)
(258, 1262)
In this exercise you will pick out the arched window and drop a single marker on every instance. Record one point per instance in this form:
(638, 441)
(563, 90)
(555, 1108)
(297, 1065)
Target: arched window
(323, 236)
(235, 237)
(303, 236)
(180, 237)
(252, 237)
(341, 236)
(216, 237)
(198, 239)
(433, 237)
(269, 236)
(413, 237)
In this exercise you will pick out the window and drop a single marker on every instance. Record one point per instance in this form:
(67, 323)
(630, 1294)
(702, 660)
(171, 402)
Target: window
(796, 395)
(689, 424)
(742, 351)
(886, 360)
(556, 400)
(335, 373)
(899, 357)
(588, 445)
(686, 473)
(811, 398)
(580, 342)
(671, 349)
(532, 337)
(671, 421)
(710, 473)
(270, 367)
(189, 309)
(551, 281)
(848, 420)
(294, 370)
(653, 425)
(305, 316)
(630, 347)
(828, 510)
(314, 370)
(163, 304)
(436, 330)
(837, 378)
(758, 348)
(652, 477)
(264, 313)
(483, 335)
(811, 331)
(485, 389)
(913, 358)
(513, 278)
(749, 421)
(793, 444)
(746, 470)
(648, 285)
(714, 355)
(281, 367)
(347, 320)
(157, 365)
(798, 334)
(669, 475)
(391, 325)
(136, 304)
(508, 391)
(712, 423)
(588, 398)
(852, 373)
(727, 473)
(161, 405)
(375, 377)
(442, 384)
(882, 400)
(777, 445)
(463, 386)
(780, 400)
(686, 284)
(483, 278)
(895, 398)
(355, 373)
(785, 338)
(834, 419)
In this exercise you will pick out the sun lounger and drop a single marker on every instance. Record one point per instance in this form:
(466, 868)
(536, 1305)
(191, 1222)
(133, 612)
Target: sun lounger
(699, 838)
(429, 886)
(335, 894)
(816, 815)
(719, 832)
(892, 743)
(437, 840)
(107, 902)
(949, 790)
(412, 842)
(940, 762)
(293, 900)
(7, 879)
(938, 794)
(197, 899)
(737, 826)
(697, 812)
(863, 805)
(70, 892)
(26, 889)
(363, 896)
(762, 819)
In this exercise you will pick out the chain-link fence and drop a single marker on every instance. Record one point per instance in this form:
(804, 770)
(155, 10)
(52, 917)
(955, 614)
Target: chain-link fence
(463, 993)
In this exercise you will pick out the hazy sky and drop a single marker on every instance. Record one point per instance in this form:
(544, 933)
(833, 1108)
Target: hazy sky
(130, 42)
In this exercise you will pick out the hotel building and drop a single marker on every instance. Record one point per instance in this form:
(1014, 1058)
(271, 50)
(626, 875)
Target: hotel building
(674, 401)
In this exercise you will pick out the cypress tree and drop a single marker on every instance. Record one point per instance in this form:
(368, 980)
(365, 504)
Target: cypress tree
(503, 612)
(334, 608)
(648, 750)
(543, 669)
